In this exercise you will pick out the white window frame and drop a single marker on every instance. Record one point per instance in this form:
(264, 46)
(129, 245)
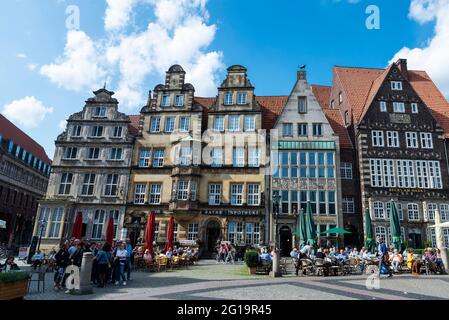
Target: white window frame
(158, 158)
(219, 123)
(379, 210)
(415, 108)
(383, 106)
(179, 100)
(303, 129)
(413, 212)
(88, 185)
(54, 231)
(184, 124)
(348, 205)
(426, 140)
(376, 172)
(111, 185)
(412, 140)
(381, 232)
(185, 156)
(155, 193)
(398, 107)
(238, 157)
(92, 153)
(237, 194)
(250, 123)
(117, 132)
(65, 183)
(97, 132)
(377, 138)
(192, 231)
(228, 99)
(183, 190)
(170, 123)
(234, 123)
(116, 154)
(396, 85)
(242, 98)
(98, 222)
(253, 157)
(139, 193)
(215, 194)
(166, 100)
(253, 194)
(317, 129)
(287, 129)
(393, 139)
(346, 170)
(217, 157)
(144, 158)
(155, 124)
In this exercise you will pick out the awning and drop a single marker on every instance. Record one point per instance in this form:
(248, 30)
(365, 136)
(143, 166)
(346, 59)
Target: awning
(2, 224)
(335, 231)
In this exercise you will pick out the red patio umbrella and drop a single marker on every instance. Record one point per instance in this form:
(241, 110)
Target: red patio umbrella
(110, 231)
(78, 226)
(170, 234)
(149, 232)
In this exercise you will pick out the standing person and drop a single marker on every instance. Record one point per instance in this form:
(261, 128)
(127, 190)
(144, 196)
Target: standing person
(129, 257)
(103, 262)
(121, 259)
(62, 260)
(382, 252)
(77, 256)
(439, 262)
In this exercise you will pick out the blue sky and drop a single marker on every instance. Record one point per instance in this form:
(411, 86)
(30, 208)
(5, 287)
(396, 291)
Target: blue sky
(271, 38)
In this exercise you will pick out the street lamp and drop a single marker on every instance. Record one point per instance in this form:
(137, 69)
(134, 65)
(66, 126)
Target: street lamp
(136, 230)
(43, 223)
(276, 258)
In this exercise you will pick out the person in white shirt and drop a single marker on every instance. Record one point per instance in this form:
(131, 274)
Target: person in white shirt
(121, 256)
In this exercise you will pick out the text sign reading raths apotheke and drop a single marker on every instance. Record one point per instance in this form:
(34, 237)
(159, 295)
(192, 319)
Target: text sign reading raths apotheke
(232, 212)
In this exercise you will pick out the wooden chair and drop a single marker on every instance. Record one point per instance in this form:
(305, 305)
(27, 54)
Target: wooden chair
(319, 267)
(162, 263)
(306, 266)
(175, 262)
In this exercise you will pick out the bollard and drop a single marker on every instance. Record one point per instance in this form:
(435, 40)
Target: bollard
(276, 272)
(85, 274)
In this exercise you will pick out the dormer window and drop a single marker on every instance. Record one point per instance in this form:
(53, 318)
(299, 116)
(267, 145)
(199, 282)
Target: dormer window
(228, 97)
(242, 98)
(340, 97)
(396, 85)
(179, 100)
(100, 112)
(347, 118)
(166, 101)
(414, 108)
(383, 106)
(332, 104)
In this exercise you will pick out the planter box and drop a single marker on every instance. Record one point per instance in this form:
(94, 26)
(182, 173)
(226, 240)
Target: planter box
(13, 290)
(252, 270)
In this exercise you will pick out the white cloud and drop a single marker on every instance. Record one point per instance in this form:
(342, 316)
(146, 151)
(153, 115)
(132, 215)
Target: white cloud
(178, 34)
(80, 67)
(62, 124)
(118, 13)
(32, 66)
(21, 56)
(433, 56)
(28, 112)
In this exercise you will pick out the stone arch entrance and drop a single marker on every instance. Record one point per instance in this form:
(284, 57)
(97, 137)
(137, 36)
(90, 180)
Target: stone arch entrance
(285, 238)
(213, 234)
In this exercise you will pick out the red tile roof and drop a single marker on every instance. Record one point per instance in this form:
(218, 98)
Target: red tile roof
(272, 107)
(361, 85)
(133, 127)
(322, 94)
(10, 132)
(432, 97)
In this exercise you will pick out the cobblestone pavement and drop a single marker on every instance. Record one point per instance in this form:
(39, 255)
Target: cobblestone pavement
(209, 280)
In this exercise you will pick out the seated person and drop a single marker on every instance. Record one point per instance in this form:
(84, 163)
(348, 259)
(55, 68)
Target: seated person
(332, 252)
(294, 253)
(37, 259)
(169, 253)
(412, 263)
(320, 254)
(265, 256)
(147, 257)
(9, 265)
(396, 260)
(342, 257)
(431, 259)
(354, 253)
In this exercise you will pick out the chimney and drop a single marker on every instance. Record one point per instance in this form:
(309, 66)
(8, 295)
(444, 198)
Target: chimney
(302, 75)
(402, 64)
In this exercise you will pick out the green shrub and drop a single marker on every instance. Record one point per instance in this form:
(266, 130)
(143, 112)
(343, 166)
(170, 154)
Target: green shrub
(8, 277)
(428, 244)
(251, 258)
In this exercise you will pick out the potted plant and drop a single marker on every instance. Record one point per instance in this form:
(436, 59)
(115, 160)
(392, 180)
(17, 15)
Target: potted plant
(13, 285)
(251, 260)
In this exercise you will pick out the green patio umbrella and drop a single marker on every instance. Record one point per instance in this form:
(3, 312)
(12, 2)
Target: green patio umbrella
(395, 227)
(335, 231)
(310, 225)
(370, 242)
(301, 232)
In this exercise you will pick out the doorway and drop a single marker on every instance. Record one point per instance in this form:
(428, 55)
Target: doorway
(285, 235)
(213, 234)
(415, 240)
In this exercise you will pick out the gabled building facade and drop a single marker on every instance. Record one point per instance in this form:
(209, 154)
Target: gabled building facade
(165, 176)
(234, 156)
(400, 145)
(24, 172)
(305, 153)
(91, 172)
